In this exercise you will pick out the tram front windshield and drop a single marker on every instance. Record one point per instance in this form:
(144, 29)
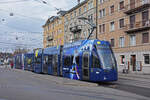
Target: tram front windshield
(106, 56)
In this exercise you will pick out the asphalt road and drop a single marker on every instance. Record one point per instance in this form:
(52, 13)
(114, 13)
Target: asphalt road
(24, 85)
(132, 86)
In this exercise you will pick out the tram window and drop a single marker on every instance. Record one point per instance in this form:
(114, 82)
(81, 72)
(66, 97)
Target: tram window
(55, 60)
(46, 60)
(85, 72)
(29, 61)
(50, 58)
(77, 60)
(38, 59)
(85, 60)
(67, 61)
(71, 63)
(96, 62)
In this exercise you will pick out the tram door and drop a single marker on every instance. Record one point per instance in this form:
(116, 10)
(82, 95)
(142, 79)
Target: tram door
(45, 65)
(85, 66)
(55, 64)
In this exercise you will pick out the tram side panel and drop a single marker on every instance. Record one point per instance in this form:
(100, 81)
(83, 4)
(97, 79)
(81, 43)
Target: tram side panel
(38, 61)
(52, 61)
(66, 59)
(29, 61)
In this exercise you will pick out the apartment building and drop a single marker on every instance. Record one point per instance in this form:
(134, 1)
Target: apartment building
(54, 30)
(126, 24)
(76, 29)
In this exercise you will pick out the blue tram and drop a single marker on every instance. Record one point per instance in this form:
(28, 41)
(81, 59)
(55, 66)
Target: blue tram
(29, 61)
(38, 60)
(90, 60)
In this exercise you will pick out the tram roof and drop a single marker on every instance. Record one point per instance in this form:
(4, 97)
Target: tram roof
(51, 50)
(78, 43)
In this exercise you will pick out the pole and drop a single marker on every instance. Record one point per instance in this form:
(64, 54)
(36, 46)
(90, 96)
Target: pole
(96, 17)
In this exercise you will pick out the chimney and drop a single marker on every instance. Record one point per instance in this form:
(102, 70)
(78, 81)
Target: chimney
(78, 1)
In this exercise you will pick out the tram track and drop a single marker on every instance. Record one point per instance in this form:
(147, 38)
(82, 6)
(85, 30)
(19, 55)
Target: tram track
(139, 90)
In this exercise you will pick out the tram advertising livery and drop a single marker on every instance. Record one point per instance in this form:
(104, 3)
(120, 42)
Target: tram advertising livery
(28, 64)
(90, 60)
(38, 60)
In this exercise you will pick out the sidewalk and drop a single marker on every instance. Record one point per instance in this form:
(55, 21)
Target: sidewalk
(135, 76)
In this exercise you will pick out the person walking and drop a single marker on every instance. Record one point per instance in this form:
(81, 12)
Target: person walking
(12, 64)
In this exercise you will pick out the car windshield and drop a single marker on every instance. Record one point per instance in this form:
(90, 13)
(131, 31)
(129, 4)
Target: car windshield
(106, 56)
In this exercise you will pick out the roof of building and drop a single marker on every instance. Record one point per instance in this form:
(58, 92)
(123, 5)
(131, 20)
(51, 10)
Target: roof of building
(62, 12)
(50, 20)
(77, 6)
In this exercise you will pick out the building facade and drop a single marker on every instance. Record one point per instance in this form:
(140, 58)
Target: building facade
(76, 29)
(126, 24)
(54, 30)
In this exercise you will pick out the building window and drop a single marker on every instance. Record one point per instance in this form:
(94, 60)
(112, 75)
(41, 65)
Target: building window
(121, 5)
(71, 16)
(102, 28)
(75, 14)
(132, 21)
(145, 18)
(90, 5)
(79, 11)
(112, 9)
(112, 42)
(146, 59)
(145, 37)
(132, 40)
(102, 13)
(121, 23)
(122, 59)
(90, 17)
(121, 41)
(112, 26)
(84, 8)
(101, 1)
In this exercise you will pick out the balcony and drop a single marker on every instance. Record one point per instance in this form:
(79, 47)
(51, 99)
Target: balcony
(76, 29)
(138, 26)
(138, 6)
(49, 38)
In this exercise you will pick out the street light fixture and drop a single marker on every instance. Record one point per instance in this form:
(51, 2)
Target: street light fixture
(44, 2)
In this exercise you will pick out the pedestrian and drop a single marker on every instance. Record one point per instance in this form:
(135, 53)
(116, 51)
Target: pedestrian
(12, 64)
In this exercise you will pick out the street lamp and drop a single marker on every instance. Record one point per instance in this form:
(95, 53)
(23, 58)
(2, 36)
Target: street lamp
(44, 2)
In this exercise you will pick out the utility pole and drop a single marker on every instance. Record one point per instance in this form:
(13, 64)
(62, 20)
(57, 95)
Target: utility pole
(96, 18)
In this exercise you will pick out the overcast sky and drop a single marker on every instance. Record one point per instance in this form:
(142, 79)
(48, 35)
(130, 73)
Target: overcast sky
(24, 28)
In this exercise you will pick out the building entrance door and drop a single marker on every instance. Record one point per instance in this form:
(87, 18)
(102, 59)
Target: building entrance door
(133, 62)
